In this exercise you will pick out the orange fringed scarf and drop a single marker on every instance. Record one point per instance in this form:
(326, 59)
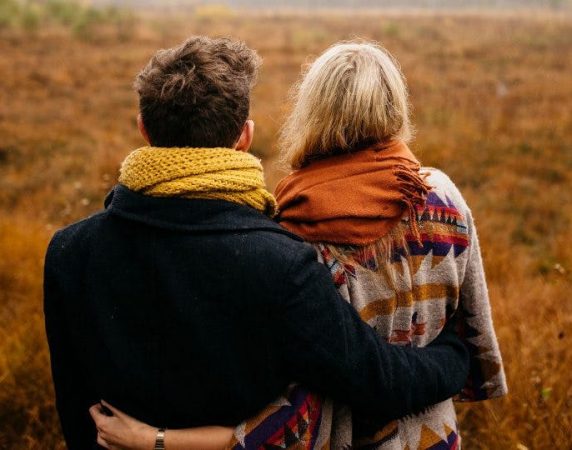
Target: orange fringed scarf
(355, 198)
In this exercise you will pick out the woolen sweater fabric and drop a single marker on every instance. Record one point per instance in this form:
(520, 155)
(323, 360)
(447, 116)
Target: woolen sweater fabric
(192, 312)
(210, 173)
(434, 276)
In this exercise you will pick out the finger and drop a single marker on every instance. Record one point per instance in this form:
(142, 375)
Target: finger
(113, 409)
(102, 442)
(93, 411)
(98, 417)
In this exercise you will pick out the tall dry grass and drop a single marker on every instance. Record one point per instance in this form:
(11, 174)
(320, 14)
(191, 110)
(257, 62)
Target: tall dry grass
(491, 99)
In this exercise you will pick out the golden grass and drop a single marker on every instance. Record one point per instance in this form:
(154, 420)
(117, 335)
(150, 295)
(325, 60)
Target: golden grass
(491, 99)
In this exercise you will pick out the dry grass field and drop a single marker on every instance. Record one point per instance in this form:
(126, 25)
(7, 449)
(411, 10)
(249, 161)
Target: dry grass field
(492, 98)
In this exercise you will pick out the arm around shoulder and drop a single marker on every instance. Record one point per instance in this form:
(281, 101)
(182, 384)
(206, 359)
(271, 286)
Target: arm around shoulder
(326, 346)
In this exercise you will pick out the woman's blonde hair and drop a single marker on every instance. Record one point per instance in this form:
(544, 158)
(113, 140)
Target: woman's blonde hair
(352, 96)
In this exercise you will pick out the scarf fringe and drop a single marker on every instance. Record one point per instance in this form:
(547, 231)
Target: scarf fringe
(414, 189)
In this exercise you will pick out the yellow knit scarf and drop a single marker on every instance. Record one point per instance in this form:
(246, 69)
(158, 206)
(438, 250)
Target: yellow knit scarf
(209, 173)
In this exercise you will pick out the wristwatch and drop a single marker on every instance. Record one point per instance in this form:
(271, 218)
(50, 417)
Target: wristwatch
(160, 439)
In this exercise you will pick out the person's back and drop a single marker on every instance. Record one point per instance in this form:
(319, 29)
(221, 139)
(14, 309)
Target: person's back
(169, 304)
(407, 289)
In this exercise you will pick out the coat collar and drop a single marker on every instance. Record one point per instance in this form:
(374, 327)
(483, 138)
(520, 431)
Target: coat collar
(188, 214)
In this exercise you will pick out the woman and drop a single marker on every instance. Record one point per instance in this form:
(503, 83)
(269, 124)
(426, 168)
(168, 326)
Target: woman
(399, 241)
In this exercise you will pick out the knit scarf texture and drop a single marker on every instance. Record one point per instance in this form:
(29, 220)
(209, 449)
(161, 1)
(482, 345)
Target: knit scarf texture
(354, 198)
(198, 173)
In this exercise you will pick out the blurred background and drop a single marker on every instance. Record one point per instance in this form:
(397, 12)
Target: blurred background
(491, 90)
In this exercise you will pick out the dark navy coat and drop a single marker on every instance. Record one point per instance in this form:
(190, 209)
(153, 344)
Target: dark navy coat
(192, 312)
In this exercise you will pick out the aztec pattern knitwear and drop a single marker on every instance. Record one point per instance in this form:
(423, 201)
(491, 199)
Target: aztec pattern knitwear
(298, 420)
(434, 277)
(209, 173)
(440, 276)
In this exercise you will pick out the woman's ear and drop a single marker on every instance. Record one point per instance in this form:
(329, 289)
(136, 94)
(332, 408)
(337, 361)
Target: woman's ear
(245, 140)
(142, 129)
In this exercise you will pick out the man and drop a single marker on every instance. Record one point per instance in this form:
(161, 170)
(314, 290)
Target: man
(184, 304)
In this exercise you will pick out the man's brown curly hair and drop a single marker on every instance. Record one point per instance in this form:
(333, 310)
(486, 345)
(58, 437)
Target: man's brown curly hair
(198, 93)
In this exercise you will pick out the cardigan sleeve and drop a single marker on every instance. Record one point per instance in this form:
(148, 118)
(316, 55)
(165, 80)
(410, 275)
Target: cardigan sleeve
(486, 374)
(353, 364)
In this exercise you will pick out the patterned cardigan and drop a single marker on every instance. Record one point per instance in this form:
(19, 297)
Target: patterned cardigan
(430, 280)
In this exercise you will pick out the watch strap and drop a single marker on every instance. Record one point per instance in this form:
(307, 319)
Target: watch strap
(160, 439)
